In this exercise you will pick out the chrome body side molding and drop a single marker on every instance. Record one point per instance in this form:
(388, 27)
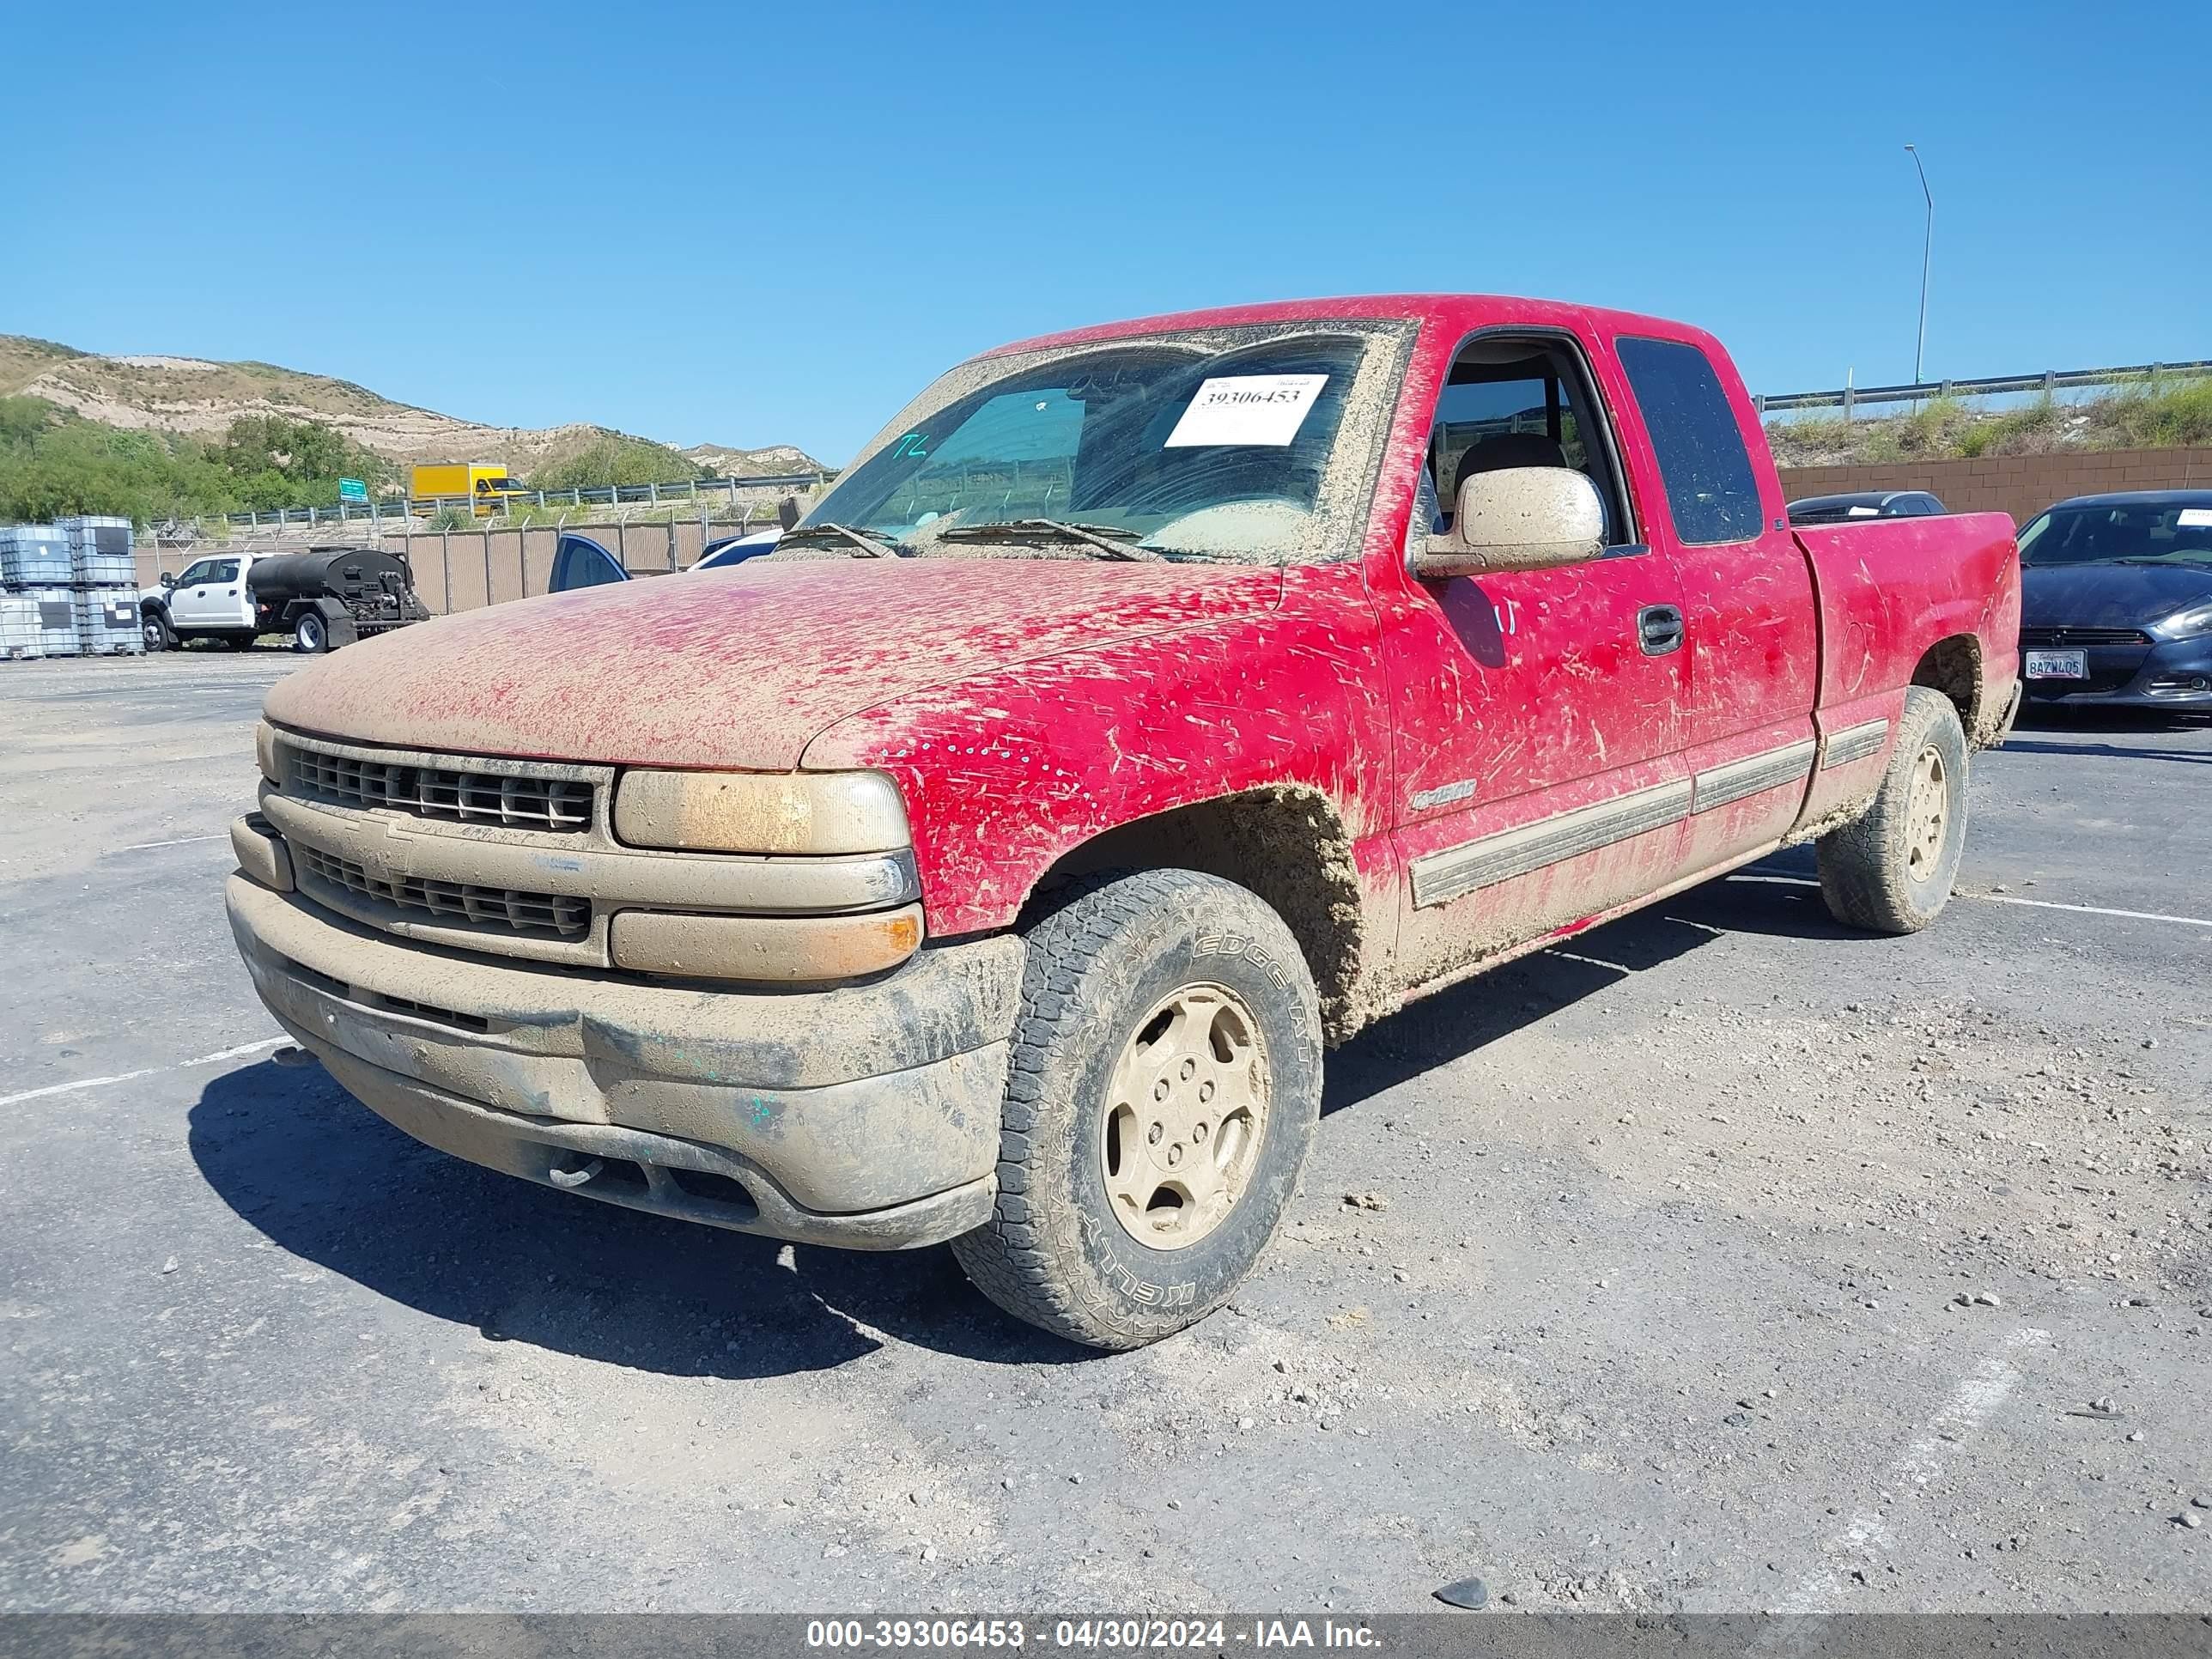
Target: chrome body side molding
(1854, 743)
(1454, 872)
(1732, 781)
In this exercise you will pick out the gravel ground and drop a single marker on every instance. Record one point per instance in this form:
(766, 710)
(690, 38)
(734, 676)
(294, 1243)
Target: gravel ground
(1722, 1261)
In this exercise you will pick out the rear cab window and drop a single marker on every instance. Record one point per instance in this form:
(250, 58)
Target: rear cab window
(1712, 491)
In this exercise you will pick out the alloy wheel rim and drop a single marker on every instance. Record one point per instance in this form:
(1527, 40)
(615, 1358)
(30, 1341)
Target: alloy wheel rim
(1186, 1115)
(1927, 814)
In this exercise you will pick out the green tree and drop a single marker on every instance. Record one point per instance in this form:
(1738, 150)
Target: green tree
(278, 463)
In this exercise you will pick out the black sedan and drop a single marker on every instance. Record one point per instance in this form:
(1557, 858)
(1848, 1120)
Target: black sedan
(1864, 504)
(2116, 603)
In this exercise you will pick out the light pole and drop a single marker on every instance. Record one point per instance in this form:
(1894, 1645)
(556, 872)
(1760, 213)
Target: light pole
(1927, 245)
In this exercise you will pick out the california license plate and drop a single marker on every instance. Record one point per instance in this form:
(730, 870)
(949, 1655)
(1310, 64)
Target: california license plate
(2059, 664)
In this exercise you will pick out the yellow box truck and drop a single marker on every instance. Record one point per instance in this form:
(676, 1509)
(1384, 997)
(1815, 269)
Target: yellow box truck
(483, 483)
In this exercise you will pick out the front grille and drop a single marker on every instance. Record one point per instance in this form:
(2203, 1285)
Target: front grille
(545, 915)
(2047, 639)
(457, 793)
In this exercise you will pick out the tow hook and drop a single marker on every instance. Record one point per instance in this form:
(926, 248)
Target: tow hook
(576, 1177)
(292, 1056)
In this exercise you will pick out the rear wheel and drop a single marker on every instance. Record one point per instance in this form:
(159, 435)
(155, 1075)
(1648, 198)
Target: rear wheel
(1162, 1090)
(1891, 869)
(311, 635)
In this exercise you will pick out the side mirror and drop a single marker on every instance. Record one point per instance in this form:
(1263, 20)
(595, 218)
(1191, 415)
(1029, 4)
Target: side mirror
(786, 512)
(168, 579)
(1517, 517)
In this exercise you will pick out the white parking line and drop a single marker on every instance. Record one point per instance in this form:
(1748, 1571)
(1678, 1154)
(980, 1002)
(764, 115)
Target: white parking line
(1867, 1536)
(181, 841)
(1779, 879)
(2089, 909)
(149, 1071)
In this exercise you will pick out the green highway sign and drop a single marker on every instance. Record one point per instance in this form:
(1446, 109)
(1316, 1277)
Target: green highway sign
(352, 489)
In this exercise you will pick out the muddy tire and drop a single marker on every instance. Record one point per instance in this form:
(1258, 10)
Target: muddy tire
(1163, 1086)
(1890, 870)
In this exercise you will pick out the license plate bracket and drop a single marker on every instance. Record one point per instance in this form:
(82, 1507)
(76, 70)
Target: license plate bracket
(2056, 665)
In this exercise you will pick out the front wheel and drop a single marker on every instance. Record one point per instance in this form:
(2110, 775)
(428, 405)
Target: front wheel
(311, 636)
(1162, 1089)
(1890, 870)
(160, 636)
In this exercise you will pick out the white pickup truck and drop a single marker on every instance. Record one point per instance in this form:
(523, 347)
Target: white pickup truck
(209, 600)
(322, 598)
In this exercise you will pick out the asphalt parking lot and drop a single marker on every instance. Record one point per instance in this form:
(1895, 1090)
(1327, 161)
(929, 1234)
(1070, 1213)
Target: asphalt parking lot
(1661, 1309)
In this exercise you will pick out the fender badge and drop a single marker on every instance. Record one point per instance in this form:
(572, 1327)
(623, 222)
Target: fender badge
(1443, 795)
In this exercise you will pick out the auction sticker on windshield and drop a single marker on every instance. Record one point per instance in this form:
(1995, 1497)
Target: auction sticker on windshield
(1247, 409)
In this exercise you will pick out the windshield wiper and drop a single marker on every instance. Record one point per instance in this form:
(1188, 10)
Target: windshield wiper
(1112, 540)
(867, 546)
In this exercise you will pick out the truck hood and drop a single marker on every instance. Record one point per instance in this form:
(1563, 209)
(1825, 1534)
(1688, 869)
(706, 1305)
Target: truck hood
(736, 668)
(2109, 595)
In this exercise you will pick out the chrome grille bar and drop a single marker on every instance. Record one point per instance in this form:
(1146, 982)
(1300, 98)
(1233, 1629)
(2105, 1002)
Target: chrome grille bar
(505, 800)
(545, 915)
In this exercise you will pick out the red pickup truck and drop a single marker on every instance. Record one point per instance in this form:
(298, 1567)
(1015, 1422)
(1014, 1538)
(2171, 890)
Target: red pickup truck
(1146, 708)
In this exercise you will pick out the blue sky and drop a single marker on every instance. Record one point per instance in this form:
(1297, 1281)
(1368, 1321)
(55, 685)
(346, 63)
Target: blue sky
(772, 225)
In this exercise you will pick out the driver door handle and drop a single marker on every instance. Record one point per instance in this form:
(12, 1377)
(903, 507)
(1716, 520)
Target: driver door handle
(1659, 630)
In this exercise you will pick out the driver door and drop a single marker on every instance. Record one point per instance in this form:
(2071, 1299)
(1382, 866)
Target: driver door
(1537, 713)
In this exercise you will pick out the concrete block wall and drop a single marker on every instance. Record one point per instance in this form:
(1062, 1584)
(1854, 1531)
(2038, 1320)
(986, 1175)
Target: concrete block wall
(2022, 485)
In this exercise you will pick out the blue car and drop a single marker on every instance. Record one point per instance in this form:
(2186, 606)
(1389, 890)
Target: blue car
(2116, 601)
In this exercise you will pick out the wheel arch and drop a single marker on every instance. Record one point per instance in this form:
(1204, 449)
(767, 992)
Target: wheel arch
(1953, 666)
(1287, 843)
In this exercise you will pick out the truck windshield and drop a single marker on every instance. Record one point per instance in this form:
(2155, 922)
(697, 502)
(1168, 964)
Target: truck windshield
(2133, 532)
(1251, 445)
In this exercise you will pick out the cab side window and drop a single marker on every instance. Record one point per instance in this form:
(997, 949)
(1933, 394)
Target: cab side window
(1710, 487)
(1518, 401)
(221, 570)
(202, 570)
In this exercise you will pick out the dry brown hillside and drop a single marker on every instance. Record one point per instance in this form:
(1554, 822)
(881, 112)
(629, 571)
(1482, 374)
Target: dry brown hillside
(199, 398)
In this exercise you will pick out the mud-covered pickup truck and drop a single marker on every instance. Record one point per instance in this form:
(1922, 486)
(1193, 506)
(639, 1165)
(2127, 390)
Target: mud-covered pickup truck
(1147, 707)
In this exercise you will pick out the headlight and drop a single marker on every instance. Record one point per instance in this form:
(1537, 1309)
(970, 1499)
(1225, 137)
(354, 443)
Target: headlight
(265, 751)
(2197, 619)
(790, 812)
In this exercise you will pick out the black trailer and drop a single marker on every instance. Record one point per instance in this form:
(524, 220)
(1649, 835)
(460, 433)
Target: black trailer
(328, 597)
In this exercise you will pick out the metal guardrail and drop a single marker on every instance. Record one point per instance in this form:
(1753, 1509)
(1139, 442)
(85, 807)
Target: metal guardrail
(2051, 380)
(396, 512)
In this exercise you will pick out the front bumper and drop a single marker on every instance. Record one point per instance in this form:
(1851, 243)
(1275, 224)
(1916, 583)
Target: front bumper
(2167, 674)
(864, 1115)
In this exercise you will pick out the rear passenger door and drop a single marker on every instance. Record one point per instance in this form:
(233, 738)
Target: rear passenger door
(1753, 646)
